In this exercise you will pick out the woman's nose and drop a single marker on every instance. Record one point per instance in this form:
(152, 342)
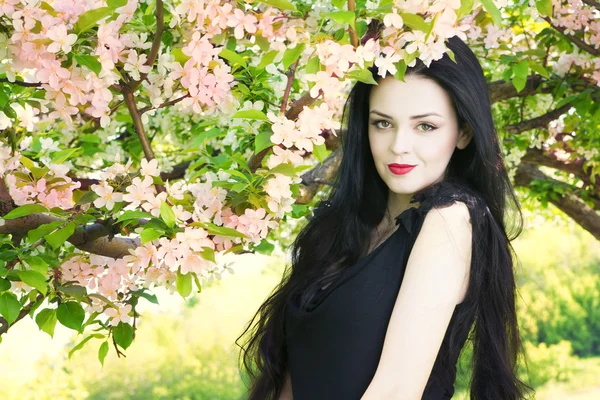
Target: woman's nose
(402, 141)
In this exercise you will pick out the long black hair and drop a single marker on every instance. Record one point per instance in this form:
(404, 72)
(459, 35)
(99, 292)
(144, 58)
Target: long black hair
(356, 204)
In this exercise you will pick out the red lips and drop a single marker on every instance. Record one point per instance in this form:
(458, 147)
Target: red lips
(400, 169)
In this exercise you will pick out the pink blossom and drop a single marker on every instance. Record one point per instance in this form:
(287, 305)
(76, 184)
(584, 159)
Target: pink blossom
(138, 192)
(118, 315)
(281, 156)
(242, 22)
(150, 167)
(284, 130)
(107, 197)
(153, 205)
(394, 19)
(61, 39)
(52, 73)
(136, 64)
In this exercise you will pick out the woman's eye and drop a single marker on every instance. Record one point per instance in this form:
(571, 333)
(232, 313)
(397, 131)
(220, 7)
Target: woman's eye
(377, 124)
(431, 127)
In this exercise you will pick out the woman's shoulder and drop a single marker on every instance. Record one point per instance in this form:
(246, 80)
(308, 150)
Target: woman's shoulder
(445, 193)
(442, 195)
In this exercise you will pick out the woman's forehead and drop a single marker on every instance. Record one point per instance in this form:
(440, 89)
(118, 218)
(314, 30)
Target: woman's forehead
(414, 96)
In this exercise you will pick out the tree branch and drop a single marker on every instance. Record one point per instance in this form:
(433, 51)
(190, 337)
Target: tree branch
(592, 3)
(550, 159)
(353, 35)
(569, 203)
(160, 26)
(313, 178)
(93, 238)
(501, 90)
(165, 104)
(580, 43)
(538, 122)
(288, 87)
(21, 83)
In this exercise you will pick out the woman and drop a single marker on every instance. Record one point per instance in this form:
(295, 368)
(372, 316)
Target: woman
(383, 293)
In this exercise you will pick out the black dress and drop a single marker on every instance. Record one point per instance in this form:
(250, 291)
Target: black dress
(334, 345)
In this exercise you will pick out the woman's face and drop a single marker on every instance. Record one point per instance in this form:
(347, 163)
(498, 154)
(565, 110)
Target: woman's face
(412, 123)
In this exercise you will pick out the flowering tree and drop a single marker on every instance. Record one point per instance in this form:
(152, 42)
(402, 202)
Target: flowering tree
(143, 140)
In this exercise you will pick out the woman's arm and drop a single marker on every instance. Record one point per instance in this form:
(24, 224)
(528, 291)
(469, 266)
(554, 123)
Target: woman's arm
(286, 393)
(435, 281)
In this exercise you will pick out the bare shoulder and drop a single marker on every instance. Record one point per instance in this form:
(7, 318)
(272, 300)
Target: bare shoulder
(448, 223)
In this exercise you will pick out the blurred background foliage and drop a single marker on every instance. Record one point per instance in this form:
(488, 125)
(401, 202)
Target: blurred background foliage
(187, 350)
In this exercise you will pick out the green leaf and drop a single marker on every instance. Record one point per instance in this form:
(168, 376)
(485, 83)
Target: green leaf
(60, 157)
(46, 320)
(284, 168)
(362, 75)
(75, 291)
(4, 285)
(179, 56)
(167, 214)
(251, 114)
(414, 21)
(291, 55)
(400, 70)
(262, 141)
(150, 297)
(116, 3)
(3, 99)
(519, 79)
(149, 234)
(48, 7)
(43, 230)
(267, 59)
(208, 254)
(321, 152)
(519, 83)
(313, 66)
(491, 8)
(87, 197)
(26, 209)
(80, 345)
(37, 264)
(102, 352)
(123, 334)
(90, 18)
(104, 299)
(71, 315)
(281, 4)
(222, 230)
(34, 279)
(338, 3)
(57, 238)
(9, 307)
(90, 62)
(184, 284)
(265, 247)
(521, 69)
(342, 17)
(539, 68)
(233, 57)
(466, 6)
(544, 7)
(8, 255)
(132, 214)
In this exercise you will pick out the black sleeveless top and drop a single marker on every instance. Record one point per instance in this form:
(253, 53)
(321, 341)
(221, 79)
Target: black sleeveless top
(334, 345)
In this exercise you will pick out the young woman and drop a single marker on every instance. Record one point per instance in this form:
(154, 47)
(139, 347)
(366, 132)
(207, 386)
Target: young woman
(407, 258)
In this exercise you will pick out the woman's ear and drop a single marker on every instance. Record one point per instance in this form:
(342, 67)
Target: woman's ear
(465, 136)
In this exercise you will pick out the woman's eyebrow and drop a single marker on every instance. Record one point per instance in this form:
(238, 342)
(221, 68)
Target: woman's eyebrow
(412, 117)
